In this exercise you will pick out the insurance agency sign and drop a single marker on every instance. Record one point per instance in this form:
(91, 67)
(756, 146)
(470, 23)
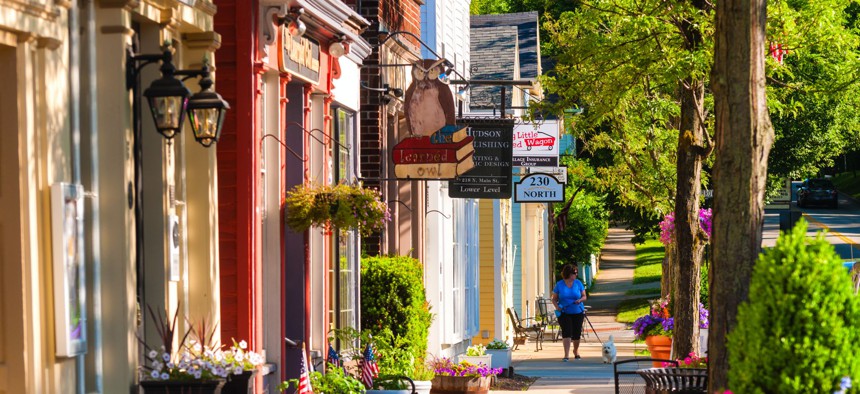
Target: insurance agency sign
(536, 144)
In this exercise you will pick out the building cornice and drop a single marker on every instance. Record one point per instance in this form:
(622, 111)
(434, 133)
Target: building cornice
(42, 11)
(337, 18)
(126, 4)
(208, 40)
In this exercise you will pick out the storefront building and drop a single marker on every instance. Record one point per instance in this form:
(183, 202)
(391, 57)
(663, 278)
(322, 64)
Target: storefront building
(394, 33)
(109, 217)
(452, 226)
(297, 96)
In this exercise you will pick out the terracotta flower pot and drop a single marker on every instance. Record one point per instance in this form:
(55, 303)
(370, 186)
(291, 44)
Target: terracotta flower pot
(660, 346)
(460, 385)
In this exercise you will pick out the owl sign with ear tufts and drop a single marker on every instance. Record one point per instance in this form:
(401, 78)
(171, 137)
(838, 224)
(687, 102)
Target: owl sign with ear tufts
(429, 101)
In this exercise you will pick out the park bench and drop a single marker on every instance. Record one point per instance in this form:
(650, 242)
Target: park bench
(628, 380)
(522, 331)
(675, 380)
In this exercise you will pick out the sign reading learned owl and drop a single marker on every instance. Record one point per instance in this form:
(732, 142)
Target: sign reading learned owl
(435, 147)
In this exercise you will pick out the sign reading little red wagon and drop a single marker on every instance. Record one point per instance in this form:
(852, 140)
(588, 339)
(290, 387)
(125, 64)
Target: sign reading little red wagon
(536, 144)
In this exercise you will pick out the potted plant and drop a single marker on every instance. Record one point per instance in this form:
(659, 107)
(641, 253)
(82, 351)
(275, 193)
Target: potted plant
(463, 377)
(656, 329)
(501, 354)
(178, 370)
(335, 380)
(341, 206)
(657, 326)
(477, 355)
(423, 378)
(244, 365)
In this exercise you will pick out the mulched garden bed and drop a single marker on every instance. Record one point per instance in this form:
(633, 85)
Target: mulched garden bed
(515, 383)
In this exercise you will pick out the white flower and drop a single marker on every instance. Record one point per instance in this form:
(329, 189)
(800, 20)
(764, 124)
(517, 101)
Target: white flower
(220, 372)
(243, 344)
(237, 371)
(164, 376)
(197, 347)
(197, 374)
(183, 364)
(153, 354)
(155, 374)
(155, 364)
(170, 365)
(240, 356)
(165, 357)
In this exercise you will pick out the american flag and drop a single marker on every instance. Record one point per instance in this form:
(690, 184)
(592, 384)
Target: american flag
(333, 358)
(369, 369)
(304, 377)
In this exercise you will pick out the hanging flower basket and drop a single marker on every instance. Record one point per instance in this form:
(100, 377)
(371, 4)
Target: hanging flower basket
(342, 206)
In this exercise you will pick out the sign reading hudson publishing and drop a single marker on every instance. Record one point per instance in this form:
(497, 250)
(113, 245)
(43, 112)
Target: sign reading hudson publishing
(492, 176)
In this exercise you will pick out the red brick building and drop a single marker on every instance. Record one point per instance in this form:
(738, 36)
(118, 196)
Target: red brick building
(382, 122)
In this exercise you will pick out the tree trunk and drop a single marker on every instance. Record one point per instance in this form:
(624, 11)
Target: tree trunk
(744, 136)
(689, 250)
(668, 268)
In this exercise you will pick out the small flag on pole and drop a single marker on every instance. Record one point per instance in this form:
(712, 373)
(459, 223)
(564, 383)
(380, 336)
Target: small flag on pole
(369, 369)
(304, 377)
(333, 358)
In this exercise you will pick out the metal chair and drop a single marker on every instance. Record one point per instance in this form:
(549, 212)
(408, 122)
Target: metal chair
(524, 331)
(546, 314)
(627, 381)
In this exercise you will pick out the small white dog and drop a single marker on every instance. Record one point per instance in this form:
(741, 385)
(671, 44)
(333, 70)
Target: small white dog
(609, 351)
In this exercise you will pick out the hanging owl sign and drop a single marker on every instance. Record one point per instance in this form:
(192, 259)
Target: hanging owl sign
(436, 147)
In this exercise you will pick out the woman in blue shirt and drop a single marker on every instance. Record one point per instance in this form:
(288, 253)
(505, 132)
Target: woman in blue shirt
(567, 296)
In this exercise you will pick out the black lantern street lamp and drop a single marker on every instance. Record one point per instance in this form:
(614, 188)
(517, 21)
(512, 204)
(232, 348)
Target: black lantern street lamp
(206, 110)
(167, 98)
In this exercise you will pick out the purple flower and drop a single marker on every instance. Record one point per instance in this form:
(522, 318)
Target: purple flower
(667, 226)
(704, 322)
(705, 222)
(669, 324)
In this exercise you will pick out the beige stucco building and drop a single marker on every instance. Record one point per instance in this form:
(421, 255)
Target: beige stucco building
(67, 118)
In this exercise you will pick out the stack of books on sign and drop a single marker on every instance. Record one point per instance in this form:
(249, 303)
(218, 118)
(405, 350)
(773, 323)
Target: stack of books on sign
(446, 154)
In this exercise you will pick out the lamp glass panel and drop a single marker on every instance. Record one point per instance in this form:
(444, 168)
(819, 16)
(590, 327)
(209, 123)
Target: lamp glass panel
(167, 111)
(206, 123)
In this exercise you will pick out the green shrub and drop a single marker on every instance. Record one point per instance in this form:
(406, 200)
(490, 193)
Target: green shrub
(392, 298)
(584, 233)
(795, 333)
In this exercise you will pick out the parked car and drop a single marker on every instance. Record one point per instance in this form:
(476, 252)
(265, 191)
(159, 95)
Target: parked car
(817, 191)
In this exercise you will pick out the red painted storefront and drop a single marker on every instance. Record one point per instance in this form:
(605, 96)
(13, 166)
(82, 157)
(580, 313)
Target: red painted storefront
(267, 286)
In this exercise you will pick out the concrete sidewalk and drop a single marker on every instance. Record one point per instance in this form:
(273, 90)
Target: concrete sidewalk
(589, 374)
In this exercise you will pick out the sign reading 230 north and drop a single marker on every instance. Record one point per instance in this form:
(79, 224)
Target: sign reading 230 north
(539, 188)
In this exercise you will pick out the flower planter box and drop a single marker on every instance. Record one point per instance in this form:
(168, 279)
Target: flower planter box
(660, 346)
(703, 341)
(180, 387)
(501, 358)
(461, 385)
(240, 384)
(475, 360)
